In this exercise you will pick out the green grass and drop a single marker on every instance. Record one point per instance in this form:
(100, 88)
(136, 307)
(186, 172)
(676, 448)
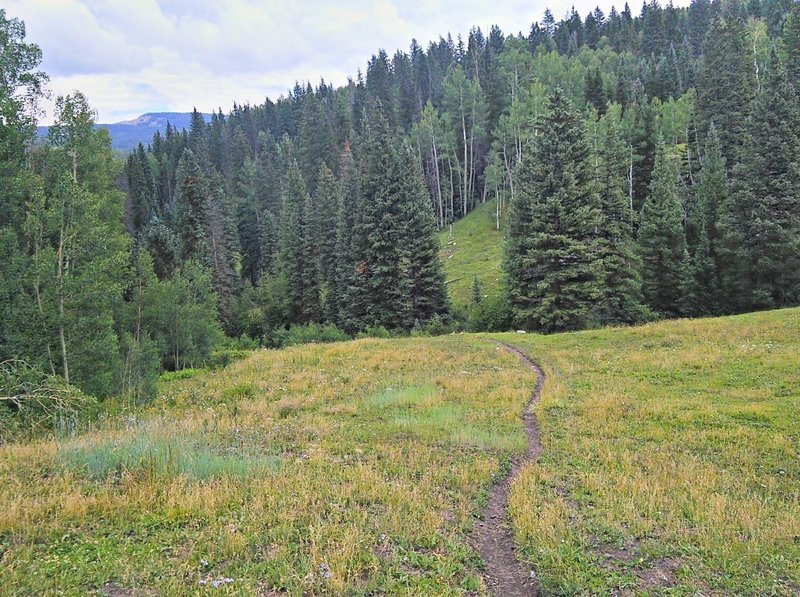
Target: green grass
(474, 249)
(670, 465)
(677, 441)
(347, 468)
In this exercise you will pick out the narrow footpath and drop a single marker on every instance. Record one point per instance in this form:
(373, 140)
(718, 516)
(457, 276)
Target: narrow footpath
(505, 575)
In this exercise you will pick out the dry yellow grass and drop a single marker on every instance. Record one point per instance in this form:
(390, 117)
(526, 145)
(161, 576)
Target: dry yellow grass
(343, 468)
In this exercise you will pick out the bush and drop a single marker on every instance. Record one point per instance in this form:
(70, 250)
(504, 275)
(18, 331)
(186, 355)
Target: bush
(492, 314)
(375, 332)
(181, 374)
(308, 334)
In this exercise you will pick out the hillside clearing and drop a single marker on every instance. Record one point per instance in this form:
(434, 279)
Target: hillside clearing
(473, 249)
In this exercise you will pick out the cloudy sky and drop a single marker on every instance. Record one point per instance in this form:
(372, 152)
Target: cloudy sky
(136, 56)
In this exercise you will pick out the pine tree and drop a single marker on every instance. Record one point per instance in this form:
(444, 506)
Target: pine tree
(711, 195)
(419, 245)
(327, 201)
(191, 211)
(726, 84)
(347, 299)
(662, 240)
(552, 264)
(621, 300)
(791, 38)
(296, 261)
(378, 262)
(762, 219)
(594, 92)
(142, 201)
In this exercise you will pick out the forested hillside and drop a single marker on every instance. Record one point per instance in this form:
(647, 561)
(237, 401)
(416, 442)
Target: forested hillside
(644, 166)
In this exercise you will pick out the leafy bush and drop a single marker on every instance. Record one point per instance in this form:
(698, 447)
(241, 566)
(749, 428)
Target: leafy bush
(375, 332)
(181, 374)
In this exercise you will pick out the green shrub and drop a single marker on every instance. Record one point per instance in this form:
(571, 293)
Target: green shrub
(375, 332)
(308, 334)
(181, 374)
(492, 314)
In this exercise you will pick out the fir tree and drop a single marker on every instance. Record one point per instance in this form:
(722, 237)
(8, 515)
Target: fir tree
(662, 240)
(621, 300)
(296, 261)
(726, 84)
(191, 211)
(762, 218)
(552, 264)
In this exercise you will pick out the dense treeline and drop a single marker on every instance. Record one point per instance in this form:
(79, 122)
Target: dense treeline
(651, 164)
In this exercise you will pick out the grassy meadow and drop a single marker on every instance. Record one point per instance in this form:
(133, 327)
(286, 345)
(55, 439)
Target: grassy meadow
(474, 248)
(670, 460)
(343, 469)
(670, 465)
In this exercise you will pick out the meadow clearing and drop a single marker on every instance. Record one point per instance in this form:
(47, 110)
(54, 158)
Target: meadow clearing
(346, 468)
(670, 459)
(670, 464)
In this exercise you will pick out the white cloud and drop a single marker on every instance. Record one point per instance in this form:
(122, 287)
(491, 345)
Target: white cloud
(134, 56)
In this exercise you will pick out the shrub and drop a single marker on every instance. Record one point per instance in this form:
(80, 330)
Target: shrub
(375, 332)
(307, 334)
(492, 314)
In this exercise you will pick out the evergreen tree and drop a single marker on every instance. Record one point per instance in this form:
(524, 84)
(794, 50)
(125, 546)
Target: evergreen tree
(726, 84)
(662, 240)
(791, 38)
(711, 197)
(419, 245)
(296, 261)
(191, 211)
(327, 201)
(621, 300)
(142, 202)
(762, 218)
(552, 264)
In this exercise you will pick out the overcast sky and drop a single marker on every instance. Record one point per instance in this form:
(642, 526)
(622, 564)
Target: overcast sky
(136, 56)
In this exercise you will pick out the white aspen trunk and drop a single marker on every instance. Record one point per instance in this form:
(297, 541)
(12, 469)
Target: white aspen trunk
(61, 269)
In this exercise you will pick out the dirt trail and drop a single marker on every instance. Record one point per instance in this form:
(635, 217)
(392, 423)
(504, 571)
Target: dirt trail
(504, 574)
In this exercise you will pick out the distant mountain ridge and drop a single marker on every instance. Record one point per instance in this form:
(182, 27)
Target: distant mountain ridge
(126, 135)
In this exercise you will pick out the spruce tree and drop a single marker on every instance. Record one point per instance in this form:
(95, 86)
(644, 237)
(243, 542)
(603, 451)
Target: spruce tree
(710, 197)
(552, 263)
(347, 301)
(419, 245)
(191, 211)
(791, 39)
(726, 84)
(326, 203)
(378, 262)
(621, 300)
(662, 239)
(296, 261)
(762, 218)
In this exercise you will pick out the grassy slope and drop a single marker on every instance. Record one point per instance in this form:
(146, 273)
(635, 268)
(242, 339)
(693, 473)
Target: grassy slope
(671, 457)
(342, 468)
(474, 248)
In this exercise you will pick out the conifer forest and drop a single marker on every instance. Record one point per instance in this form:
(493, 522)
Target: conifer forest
(643, 164)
